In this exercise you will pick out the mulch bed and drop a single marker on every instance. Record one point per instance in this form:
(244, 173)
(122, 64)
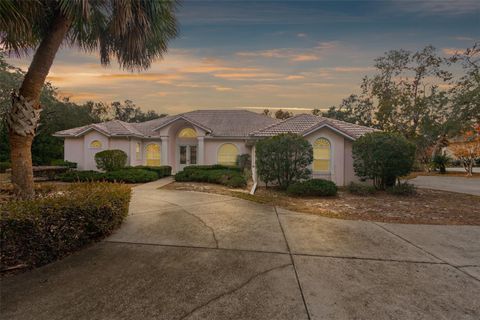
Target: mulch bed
(427, 207)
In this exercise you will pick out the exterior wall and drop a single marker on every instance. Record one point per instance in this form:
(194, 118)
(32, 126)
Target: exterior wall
(212, 146)
(349, 171)
(73, 151)
(123, 144)
(337, 155)
(133, 153)
(89, 153)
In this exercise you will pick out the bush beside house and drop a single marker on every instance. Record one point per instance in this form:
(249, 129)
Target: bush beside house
(36, 232)
(283, 159)
(383, 157)
(228, 176)
(111, 160)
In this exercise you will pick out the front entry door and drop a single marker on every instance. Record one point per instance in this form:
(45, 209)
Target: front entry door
(187, 155)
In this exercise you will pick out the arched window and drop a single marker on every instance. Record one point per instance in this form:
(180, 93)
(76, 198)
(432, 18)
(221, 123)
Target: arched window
(227, 154)
(95, 144)
(153, 155)
(187, 133)
(138, 151)
(321, 155)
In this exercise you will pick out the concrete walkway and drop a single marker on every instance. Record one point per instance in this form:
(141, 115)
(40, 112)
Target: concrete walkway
(446, 183)
(187, 255)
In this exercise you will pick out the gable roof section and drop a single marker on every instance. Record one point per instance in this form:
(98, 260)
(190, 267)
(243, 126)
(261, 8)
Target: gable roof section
(305, 124)
(219, 123)
(109, 128)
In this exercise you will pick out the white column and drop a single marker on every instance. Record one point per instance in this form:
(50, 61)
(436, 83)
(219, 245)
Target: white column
(165, 151)
(200, 150)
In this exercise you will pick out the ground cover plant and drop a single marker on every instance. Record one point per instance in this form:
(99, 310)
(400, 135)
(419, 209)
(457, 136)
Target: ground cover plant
(41, 230)
(224, 175)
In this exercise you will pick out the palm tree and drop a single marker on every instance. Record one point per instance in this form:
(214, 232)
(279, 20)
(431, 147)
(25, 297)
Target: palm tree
(135, 32)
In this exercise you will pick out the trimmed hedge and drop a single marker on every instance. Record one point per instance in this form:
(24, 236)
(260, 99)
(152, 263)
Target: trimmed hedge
(138, 174)
(111, 160)
(39, 231)
(230, 177)
(313, 187)
(131, 176)
(162, 171)
(212, 167)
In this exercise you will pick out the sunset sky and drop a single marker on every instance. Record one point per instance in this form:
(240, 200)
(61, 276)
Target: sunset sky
(269, 54)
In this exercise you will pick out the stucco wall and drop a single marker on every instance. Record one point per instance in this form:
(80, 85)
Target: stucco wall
(73, 151)
(337, 160)
(122, 144)
(212, 146)
(349, 171)
(89, 153)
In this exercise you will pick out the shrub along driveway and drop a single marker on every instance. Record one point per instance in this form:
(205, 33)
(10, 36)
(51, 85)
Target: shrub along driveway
(188, 255)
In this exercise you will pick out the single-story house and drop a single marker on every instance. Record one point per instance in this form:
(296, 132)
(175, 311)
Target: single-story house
(214, 136)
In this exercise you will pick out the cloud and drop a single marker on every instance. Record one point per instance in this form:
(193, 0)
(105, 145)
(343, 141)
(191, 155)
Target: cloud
(248, 76)
(221, 88)
(452, 51)
(445, 7)
(294, 77)
(461, 38)
(294, 54)
(302, 35)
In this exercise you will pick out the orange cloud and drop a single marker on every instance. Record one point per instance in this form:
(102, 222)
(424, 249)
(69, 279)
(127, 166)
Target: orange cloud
(294, 77)
(452, 51)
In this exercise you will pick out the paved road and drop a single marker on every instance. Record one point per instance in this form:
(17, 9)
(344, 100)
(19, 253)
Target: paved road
(187, 255)
(453, 184)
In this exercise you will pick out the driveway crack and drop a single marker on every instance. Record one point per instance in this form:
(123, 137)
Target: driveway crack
(205, 224)
(232, 291)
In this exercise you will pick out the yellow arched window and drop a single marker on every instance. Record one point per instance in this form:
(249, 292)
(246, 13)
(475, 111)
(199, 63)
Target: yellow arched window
(187, 133)
(96, 144)
(153, 155)
(227, 154)
(321, 155)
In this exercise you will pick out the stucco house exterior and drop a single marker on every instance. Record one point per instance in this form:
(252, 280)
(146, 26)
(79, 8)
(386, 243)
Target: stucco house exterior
(214, 136)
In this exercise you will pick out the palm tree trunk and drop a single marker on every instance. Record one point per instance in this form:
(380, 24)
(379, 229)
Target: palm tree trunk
(23, 118)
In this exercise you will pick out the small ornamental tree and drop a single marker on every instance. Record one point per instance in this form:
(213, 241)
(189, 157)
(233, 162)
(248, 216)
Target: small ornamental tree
(284, 159)
(383, 157)
(111, 160)
(469, 150)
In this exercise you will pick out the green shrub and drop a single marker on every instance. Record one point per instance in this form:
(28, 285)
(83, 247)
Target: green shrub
(313, 187)
(230, 177)
(403, 189)
(81, 176)
(212, 167)
(36, 232)
(4, 166)
(440, 162)
(361, 189)
(63, 163)
(128, 175)
(284, 159)
(131, 176)
(111, 160)
(383, 157)
(162, 171)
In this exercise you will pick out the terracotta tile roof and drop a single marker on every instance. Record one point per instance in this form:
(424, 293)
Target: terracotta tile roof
(223, 123)
(306, 123)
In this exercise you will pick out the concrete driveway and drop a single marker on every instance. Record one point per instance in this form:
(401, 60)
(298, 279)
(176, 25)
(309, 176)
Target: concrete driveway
(187, 255)
(453, 184)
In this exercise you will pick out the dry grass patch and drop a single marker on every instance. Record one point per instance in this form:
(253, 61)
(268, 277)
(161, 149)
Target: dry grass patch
(427, 207)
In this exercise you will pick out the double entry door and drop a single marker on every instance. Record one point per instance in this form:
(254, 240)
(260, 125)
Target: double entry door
(187, 155)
